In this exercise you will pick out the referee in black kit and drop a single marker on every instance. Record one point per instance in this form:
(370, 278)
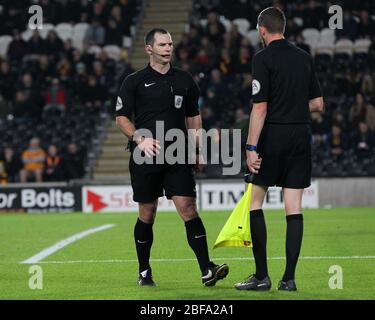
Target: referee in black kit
(285, 91)
(161, 92)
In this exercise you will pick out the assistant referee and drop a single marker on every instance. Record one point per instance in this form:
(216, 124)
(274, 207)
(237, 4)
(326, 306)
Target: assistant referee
(285, 90)
(163, 93)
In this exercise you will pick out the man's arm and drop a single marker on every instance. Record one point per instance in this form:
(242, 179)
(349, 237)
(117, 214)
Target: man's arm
(126, 126)
(196, 124)
(316, 104)
(256, 123)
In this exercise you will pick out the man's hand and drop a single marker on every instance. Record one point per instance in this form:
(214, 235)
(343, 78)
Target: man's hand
(253, 161)
(149, 146)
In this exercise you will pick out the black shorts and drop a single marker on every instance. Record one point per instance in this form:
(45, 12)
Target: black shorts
(151, 181)
(285, 150)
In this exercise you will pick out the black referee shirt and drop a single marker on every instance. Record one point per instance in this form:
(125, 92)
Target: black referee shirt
(152, 96)
(285, 78)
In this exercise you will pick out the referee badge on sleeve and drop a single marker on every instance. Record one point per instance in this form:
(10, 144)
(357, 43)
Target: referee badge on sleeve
(178, 101)
(119, 104)
(256, 87)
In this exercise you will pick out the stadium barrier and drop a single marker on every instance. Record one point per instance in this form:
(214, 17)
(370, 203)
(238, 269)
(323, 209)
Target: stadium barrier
(211, 195)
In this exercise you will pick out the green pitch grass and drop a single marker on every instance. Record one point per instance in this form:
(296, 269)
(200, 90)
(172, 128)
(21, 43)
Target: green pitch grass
(86, 270)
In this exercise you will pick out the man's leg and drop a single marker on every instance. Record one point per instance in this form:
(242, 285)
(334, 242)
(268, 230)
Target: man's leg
(195, 231)
(260, 280)
(143, 236)
(259, 231)
(294, 234)
(196, 235)
(38, 175)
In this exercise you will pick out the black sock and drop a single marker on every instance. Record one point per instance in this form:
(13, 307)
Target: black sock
(259, 239)
(143, 237)
(294, 233)
(196, 235)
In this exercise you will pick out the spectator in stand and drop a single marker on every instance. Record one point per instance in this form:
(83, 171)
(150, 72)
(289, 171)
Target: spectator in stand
(31, 95)
(113, 33)
(225, 62)
(73, 163)
(36, 45)
(320, 128)
(17, 48)
(53, 45)
(366, 25)
(350, 27)
(243, 64)
(93, 94)
(214, 21)
(64, 70)
(56, 97)
(300, 42)
(11, 165)
(53, 165)
(33, 159)
(363, 141)
(46, 70)
(3, 174)
(7, 81)
(95, 34)
(102, 76)
(358, 110)
(338, 142)
(122, 16)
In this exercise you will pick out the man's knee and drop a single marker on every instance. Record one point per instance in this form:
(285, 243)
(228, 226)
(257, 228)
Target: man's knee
(147, 212)
(293, 209)
(188, 210)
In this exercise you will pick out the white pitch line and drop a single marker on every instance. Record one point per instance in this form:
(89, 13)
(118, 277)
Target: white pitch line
(225, 259)
(63, 243)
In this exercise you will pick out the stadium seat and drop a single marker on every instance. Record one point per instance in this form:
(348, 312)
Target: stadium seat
(253, 36)
(95, 50)
(362, 45)
(298, 21)
(79, 29)
(64, 30)
(344, 46)
(77, 42)
(47, 27)
(127, 42)
(203, 22)
(227, 23)
(327, 34)
(311, 36)
(243, 25)
(27, 34)
(324, 48)
(4, 44)
(113, 51)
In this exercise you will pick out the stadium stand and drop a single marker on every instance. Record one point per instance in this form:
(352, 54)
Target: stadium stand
(59, 83)
(217, 49)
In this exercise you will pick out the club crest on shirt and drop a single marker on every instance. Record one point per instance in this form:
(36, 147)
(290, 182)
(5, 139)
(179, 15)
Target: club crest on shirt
(178, 101)
(119, 104)
(256, 87)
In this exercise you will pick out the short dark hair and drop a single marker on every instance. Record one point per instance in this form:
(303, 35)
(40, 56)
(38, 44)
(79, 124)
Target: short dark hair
(150, 36)
(273, 19)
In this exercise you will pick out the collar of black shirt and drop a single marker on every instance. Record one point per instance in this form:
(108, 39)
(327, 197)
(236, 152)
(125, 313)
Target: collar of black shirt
(278, 42)
(156, 73)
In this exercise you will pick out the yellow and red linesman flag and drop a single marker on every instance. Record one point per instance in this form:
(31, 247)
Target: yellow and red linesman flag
(236, 231)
